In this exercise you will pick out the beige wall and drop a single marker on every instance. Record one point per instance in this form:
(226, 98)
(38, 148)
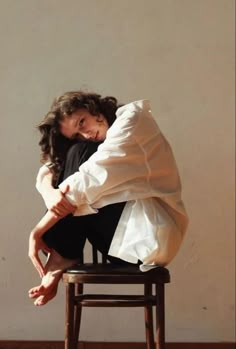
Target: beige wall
(180, 55)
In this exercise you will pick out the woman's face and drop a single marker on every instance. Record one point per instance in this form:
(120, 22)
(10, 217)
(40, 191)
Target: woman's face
(85, 126)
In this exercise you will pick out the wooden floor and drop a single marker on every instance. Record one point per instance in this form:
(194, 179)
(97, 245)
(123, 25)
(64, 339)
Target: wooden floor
(99, 345)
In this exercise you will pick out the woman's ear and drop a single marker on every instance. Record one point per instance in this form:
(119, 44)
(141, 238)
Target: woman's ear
(99, 117)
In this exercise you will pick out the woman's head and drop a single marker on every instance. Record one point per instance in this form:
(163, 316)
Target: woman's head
(82, 125)
(73, 116)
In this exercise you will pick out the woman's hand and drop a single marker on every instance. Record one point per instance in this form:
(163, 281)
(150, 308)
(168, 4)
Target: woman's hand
(54, 199)
(36, 244)
(56, 202)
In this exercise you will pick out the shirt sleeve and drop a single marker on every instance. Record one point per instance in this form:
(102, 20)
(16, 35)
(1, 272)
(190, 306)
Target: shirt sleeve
(115, 173)
(134, 162)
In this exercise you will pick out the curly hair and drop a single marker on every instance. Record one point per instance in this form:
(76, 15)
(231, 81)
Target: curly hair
(54, 146)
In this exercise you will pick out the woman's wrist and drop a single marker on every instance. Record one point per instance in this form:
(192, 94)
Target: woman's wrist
(48, 220)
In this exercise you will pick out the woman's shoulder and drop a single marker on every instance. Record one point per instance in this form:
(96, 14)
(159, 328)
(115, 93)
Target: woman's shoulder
(142, 105)
(134, 122)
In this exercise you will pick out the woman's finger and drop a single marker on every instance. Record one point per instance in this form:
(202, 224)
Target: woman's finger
(67, 206)
(62, 210)
(58, 213)
(63, 204)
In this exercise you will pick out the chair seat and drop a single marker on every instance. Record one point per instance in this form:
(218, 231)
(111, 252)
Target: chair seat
(114, 273)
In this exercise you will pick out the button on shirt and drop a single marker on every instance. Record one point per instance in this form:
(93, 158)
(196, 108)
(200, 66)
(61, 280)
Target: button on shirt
(135, 163)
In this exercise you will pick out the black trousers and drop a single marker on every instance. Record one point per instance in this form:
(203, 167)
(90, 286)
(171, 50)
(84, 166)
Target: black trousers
(68, 236)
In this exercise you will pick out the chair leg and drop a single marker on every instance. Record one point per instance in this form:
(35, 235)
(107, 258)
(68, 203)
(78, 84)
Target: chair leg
(69, 320)
(149, 318)
(77, 315)
(160, 316)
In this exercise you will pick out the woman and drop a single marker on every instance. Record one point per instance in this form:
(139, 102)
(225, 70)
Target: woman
(118, 186)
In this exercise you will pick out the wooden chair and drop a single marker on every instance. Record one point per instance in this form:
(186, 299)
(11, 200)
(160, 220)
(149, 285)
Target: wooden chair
(107, 273)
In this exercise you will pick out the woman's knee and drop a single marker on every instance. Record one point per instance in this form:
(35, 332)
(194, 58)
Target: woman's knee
(74, 151)
(77, 155)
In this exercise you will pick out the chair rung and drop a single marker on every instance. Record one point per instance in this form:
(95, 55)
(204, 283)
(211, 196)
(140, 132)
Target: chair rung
(101, 300)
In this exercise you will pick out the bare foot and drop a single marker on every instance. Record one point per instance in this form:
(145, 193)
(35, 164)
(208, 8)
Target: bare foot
(41, 300)
(54, 267)
(48, 285)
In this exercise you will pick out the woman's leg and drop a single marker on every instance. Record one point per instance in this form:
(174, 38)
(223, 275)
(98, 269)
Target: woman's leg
(103, 229)
(54, 268)
(67, 237)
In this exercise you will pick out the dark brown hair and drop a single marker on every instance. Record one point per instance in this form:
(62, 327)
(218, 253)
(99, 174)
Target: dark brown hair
(54, 145)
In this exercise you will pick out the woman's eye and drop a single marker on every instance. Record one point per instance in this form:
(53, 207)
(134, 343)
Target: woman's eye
(81, 122)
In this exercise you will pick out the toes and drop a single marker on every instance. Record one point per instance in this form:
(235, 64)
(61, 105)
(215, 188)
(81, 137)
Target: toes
(34, 295)
(36, 291)
(43, 299)
(40, 301)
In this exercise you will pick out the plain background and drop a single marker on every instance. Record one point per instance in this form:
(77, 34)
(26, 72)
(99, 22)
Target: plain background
(180, 55)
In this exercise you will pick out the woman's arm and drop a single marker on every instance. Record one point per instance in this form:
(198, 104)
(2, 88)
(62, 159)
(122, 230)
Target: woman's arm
(36, 243)
(134, 162)
(54, 199)
(58, 207)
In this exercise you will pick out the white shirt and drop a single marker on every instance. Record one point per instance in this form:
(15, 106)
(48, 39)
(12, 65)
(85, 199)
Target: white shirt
(134, 164)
